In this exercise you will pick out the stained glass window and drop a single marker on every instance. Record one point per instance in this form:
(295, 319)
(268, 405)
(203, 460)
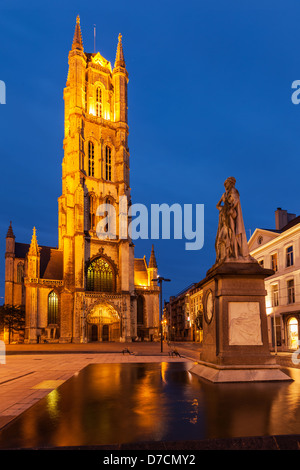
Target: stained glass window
(100, 276)
(52, 308)
(20, 272)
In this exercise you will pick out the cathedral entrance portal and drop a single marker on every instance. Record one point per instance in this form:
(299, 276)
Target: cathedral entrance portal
(105, 332)
(103, 323)
(94, 333)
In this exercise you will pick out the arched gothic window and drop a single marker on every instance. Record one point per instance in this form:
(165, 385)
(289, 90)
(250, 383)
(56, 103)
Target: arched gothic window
(108, 163)
(52, 308)
(91, 158)
(20, 272)
(100, 276)
(99, 102)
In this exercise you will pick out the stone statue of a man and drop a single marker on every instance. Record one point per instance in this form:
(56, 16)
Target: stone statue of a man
(231, 242)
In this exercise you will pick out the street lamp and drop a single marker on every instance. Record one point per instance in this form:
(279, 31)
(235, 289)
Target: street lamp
(160, 280)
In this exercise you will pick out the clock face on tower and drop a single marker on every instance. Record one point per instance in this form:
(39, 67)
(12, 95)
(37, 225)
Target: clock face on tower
(209, 306)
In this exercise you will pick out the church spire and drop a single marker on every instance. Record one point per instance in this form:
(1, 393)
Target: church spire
(33, 257)
(10, 241)
(152, 261)
(10, 233)
(77, 40)
(34, 247)
(120, 61)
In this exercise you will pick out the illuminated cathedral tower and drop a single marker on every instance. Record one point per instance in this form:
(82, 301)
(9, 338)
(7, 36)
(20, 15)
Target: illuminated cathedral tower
(90, 288)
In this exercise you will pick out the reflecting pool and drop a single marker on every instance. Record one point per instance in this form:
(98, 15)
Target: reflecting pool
(124, 403)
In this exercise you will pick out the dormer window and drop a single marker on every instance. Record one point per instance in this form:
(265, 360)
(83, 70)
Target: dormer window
(52, 308)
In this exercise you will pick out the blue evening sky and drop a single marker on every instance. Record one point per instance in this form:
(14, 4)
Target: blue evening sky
(209, 97)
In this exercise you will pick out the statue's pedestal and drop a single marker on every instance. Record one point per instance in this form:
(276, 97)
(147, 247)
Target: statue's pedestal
(235, 335)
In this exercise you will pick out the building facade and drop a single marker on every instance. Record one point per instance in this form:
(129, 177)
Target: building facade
(279, 249)
(89, 288)
(196, 313)
(183, 315)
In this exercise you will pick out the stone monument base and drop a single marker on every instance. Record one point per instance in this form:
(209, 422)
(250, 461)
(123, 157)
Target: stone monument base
(229, 374)
(235, 344)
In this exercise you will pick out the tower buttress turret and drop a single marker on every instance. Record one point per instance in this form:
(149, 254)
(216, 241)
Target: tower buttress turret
(120, 79)
(9, 266)
(152, 269)
(33, 258)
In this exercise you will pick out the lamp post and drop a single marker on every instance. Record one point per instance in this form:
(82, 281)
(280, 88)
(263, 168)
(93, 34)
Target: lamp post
(160, 280)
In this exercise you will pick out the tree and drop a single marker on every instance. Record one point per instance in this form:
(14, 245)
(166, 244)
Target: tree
(12, 317)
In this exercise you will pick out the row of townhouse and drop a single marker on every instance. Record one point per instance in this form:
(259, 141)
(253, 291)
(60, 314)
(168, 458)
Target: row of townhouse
(277, 249)
(183, 315)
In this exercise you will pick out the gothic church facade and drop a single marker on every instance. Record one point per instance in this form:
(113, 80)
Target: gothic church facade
(88, 288)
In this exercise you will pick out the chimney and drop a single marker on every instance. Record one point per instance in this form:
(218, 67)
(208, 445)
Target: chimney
(282, 218)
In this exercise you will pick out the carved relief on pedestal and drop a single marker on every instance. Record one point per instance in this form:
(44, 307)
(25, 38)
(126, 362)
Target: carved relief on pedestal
(244, 324)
